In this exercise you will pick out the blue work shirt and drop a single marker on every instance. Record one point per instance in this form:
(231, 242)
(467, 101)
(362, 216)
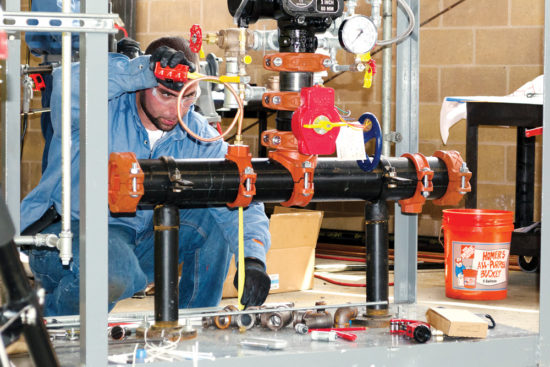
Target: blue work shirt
(127, 134)
(49, 43)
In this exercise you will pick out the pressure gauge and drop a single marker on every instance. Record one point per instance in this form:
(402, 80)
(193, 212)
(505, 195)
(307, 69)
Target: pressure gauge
(358, 34)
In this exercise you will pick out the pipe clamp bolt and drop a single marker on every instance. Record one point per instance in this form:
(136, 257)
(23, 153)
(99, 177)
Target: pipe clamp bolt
(277, 61)
(327, 63)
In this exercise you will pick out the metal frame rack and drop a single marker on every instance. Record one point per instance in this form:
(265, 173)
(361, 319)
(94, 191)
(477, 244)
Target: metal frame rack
(529, 350)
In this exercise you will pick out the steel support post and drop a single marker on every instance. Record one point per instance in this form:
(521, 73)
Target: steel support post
(11, 131)
(376, 243)
(166, 220)
(406, 225)
(93, 191)
(544, 316)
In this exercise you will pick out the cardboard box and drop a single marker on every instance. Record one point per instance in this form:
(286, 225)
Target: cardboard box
(343, 222)
(455, 322)
(291, 258)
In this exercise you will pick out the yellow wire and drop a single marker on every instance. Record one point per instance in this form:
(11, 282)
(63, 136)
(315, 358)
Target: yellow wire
(240, 271)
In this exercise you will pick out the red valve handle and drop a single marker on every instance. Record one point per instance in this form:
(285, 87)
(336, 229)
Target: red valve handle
(195, 43)
(372, 65)
(177, 74)
(38, 81)
(533, 132)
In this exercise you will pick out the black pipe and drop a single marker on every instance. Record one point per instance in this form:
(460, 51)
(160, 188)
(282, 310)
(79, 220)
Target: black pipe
(166, 222)
(525, 179)
(20, 294)
(376, 243)
(216, 181)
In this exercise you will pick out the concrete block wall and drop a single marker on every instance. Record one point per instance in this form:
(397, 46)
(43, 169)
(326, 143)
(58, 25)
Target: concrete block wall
(488, 47)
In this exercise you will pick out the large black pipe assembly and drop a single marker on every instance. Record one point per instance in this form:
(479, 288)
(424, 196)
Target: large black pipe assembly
(293, 175)
(188, 183)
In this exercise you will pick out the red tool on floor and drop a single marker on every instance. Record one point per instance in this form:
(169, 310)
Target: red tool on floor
(413, 329)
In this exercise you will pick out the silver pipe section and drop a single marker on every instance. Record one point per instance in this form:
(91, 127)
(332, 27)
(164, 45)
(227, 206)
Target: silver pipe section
(267, 40)
(66, 236)
(231, 69)
(386, 79)
(38, 240)
(352, 4)
(407, 31)
(375, 12)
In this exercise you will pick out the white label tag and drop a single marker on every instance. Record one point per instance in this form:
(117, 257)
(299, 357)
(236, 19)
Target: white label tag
(350, 145)
(491, 266)
(274, 281)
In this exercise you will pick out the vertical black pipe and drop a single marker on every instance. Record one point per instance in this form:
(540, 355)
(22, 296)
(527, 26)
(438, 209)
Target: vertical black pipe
(166, 221)
(20, 294)
(376, 242)
(262, 126)
(471, 157)
(525, 179)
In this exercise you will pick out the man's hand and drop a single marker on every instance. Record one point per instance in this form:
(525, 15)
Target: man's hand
(256, 283)
(169, 57)
(128, 47)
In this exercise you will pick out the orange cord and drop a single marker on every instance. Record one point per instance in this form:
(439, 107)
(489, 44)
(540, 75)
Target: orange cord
(238, 119)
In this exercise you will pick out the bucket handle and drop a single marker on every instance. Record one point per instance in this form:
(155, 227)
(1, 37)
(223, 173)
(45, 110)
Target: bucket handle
(439, 236)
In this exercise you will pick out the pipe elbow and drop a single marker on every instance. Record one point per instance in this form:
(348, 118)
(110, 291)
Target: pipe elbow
(343, 315)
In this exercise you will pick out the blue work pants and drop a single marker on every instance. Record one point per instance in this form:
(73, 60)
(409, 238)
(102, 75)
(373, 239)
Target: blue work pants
(202, 250)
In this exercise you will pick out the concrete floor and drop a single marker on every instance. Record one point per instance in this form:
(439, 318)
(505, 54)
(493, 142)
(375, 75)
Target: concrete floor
(520, 309)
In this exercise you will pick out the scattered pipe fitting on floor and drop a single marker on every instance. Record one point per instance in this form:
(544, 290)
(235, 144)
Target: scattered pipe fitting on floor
(223, 322)
(207, 322)
(318, 319)
(276, 320)
(344, 315)
(247, 320)
(301, 329)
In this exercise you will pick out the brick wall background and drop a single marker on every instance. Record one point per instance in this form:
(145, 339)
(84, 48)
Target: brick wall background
(488, 47)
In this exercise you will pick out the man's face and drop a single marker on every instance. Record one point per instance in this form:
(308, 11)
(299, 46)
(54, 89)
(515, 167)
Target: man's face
(160, 105)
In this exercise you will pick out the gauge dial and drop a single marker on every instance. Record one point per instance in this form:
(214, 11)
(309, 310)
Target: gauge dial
(358, 34)
(301, 3)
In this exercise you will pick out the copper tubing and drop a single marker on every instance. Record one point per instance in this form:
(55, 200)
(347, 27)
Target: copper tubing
(238, 119)
(343, 315)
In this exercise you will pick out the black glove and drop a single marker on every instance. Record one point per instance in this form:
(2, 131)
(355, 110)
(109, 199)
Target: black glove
(128, 47)
(256, 283)
(169, 57)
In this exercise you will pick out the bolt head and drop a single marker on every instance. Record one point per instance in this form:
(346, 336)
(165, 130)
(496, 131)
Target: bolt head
(266, 99)
(277, 61)
(276, 100)
(276, 140)
(327, 63)
(265, 138)
(307, 164)
(301, 19)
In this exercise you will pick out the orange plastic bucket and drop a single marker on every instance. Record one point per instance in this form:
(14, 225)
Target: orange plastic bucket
(477, 249)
